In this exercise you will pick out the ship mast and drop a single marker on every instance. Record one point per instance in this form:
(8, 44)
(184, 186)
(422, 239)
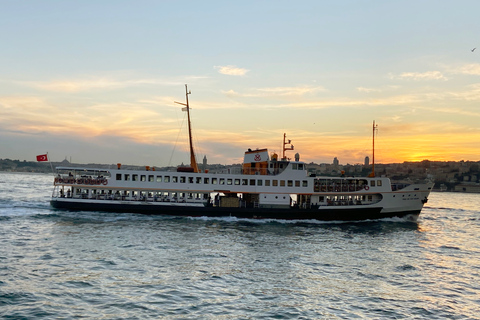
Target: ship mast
(285, 148)
(193, 161)
(372, 174)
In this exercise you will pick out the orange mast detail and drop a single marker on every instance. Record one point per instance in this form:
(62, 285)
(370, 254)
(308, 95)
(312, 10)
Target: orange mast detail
(372, 174)
(285, 143)
(193, 161)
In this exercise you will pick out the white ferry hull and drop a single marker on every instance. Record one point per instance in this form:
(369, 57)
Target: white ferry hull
(289, 193)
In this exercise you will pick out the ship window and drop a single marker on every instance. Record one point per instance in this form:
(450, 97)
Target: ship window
(151, 178)
(174, 179)
(126, 177)
(259, 182)
(159, 178)
(372, 183)
(300, 166)
(222, 181)
(190, 179)
(214, 180)
(282, 183)
(304, 183)
(297, 183)
(379, 183)
(134, 177)
(294, 166)
(275, 183)
(143, 178)
(237, 182)
(166, 179)
(119, 176)
(198, 180)
(267, 183)
(183, 179)
(229, 181)
(252, 182)
(290, 183)
(206, 180)
(244, 182)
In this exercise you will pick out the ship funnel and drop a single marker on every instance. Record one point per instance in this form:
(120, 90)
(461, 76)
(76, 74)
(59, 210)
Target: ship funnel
(297, 156)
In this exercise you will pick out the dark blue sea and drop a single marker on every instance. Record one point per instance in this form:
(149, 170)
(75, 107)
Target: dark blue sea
(95, 265)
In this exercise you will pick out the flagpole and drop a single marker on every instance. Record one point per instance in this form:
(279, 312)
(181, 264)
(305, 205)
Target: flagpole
(51, 166)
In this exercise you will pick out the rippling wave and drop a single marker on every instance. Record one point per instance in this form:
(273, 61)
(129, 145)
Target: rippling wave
(62, 265)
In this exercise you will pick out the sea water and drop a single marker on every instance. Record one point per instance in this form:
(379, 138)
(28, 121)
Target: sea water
(96, 265)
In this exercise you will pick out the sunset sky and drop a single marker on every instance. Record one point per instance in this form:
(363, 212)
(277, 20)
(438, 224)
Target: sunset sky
(96, 81)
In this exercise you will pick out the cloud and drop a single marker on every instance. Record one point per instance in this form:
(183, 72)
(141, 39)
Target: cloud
(231, 70)
(276, 92)
(288, 91)
(471, 69)
(89, 84)
(368, 90)
(102, 83)
(418, 76)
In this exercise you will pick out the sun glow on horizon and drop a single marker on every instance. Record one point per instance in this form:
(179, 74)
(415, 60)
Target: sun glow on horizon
(110, 92)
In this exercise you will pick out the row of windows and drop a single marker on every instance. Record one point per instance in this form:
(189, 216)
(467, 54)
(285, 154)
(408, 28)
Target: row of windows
(346, 182)
(211, 180)
(134, 194)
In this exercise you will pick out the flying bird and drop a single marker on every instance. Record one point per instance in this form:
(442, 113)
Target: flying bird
(473, 49)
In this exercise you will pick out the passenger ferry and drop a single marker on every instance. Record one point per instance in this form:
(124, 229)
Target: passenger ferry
(266, 187)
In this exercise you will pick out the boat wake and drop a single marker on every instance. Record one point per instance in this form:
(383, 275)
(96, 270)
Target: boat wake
(301, 221)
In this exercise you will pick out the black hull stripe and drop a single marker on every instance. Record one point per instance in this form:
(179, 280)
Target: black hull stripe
(346, 214)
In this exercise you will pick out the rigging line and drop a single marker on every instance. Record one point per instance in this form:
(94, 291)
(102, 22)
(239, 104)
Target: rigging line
(176, 141)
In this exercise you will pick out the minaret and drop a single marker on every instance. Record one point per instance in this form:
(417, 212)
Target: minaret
(204, 165)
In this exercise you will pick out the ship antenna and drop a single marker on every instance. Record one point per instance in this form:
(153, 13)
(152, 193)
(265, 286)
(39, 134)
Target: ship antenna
(375, 128)
(193, 161)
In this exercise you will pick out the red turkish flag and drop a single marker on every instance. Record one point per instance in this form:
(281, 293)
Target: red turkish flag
(42, 157)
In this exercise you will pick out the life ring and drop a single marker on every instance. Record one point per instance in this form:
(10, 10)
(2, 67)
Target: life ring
(367, 188)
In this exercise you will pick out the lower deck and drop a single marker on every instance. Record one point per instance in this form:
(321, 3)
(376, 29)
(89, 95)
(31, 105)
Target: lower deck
(331, 213)
(216, 199)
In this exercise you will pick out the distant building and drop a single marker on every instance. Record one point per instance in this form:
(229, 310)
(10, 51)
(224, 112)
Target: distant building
(335, 162)
(204, 164)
